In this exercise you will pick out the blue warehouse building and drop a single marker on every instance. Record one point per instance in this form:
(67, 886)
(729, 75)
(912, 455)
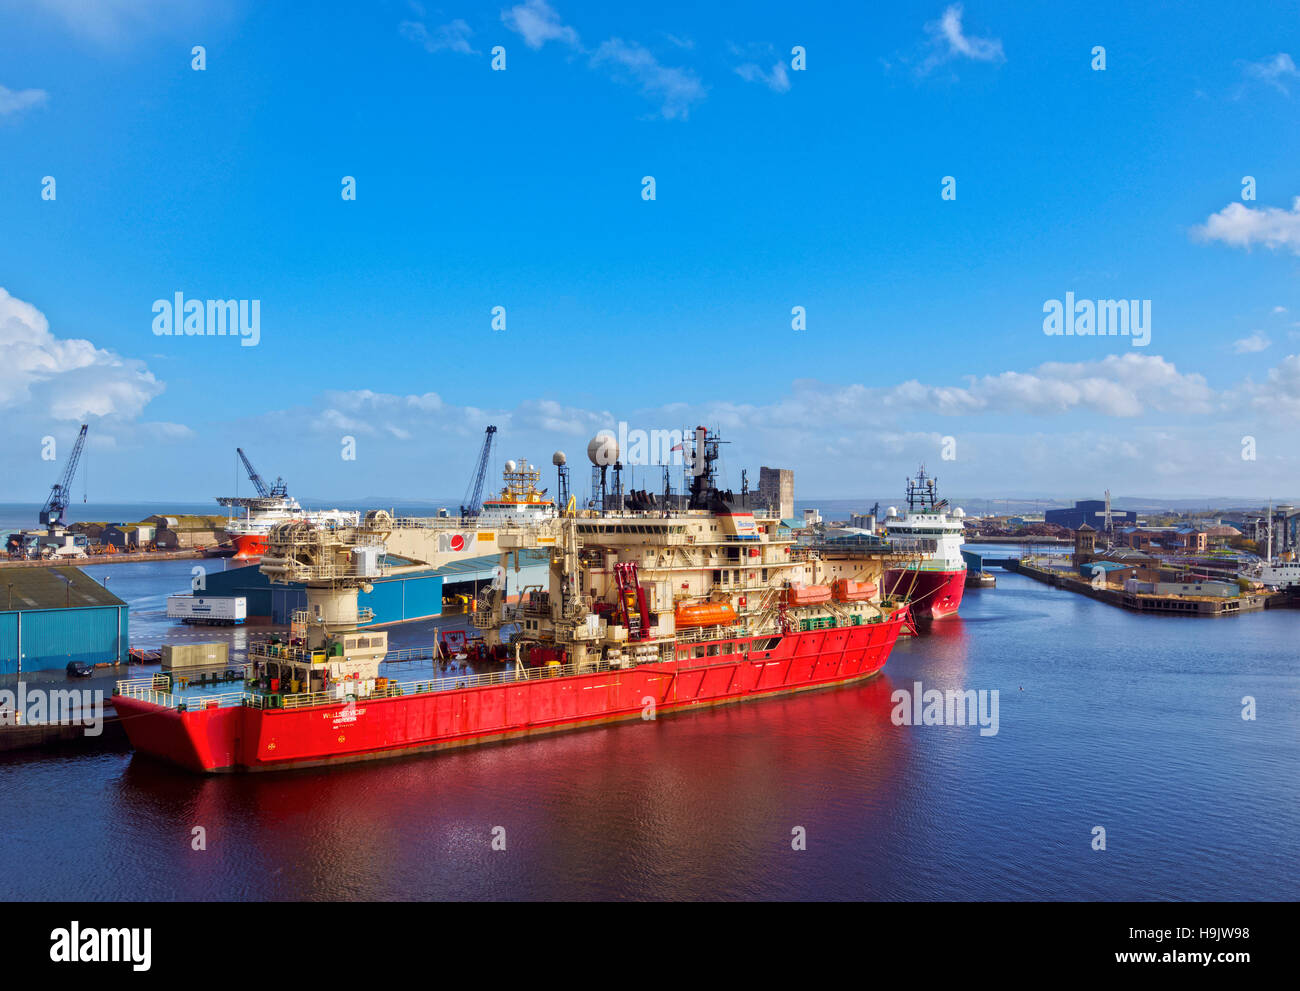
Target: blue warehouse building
(393, 598)
(1092, 512)
(51, 616)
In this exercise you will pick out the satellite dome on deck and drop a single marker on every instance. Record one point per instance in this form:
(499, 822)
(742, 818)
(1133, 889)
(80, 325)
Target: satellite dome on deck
(558, 458)
(891, 511)
(510, 466)
(603, 449)
(959, 513)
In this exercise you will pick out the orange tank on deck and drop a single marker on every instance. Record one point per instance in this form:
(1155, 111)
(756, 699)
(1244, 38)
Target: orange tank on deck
(807, 595)
(705, 614)
(847, 591)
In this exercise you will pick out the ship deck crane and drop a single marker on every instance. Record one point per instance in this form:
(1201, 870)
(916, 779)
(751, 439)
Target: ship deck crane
(277, 490)
(473, 503)
(57, 504)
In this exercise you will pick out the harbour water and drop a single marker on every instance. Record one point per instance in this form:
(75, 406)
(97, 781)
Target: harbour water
(1106, 718)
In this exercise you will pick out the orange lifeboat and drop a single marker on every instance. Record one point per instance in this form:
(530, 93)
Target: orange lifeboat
(847, 591)
(807, 595)
(704, 614)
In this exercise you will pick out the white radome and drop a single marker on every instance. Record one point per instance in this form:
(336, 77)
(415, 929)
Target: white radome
(603, 449)
(959, 513)
(558, 458)
(891, 511)
(510, 466)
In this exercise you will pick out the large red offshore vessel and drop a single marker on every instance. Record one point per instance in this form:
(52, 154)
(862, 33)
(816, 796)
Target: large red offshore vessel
(935, 578)
(652, 608)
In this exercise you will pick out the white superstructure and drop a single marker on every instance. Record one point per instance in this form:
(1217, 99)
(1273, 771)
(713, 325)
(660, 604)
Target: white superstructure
(927, 529)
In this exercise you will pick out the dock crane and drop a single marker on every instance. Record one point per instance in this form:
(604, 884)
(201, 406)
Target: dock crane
(57, 504)
(278, 490)
(474, 494)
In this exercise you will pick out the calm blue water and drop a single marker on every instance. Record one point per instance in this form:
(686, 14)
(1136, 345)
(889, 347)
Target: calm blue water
(1106, 718)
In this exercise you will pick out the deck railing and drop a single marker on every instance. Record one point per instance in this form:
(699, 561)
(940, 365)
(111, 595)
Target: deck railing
(143, 689)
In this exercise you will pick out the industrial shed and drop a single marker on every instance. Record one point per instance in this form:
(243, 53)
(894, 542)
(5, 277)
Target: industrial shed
(184, 532)
(394, 599)
(50, 616)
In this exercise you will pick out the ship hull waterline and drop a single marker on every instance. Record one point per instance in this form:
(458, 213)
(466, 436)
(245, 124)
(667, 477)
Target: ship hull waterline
(246, 738)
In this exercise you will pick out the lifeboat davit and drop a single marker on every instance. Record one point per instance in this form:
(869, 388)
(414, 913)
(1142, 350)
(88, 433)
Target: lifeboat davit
(807, 595)
(847, 591)
(704, 614)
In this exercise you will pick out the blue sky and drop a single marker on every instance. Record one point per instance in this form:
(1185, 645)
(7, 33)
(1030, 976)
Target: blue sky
(774, 188)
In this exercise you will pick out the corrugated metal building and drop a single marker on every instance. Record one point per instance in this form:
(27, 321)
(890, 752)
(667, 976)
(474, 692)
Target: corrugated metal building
(394, 599)
(50, 616)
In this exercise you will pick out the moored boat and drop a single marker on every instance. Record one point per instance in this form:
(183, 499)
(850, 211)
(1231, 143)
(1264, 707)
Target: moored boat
(646, 612)
(935, 580)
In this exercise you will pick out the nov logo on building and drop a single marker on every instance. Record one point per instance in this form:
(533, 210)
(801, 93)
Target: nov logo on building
(454, 542)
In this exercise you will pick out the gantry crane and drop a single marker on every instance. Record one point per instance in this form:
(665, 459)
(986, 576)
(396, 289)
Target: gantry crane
(474, 495)
(57, 504)
(277, 490)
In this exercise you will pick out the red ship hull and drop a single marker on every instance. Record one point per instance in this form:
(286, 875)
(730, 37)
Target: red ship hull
(239, 738)
(248, 545)
(933, 594)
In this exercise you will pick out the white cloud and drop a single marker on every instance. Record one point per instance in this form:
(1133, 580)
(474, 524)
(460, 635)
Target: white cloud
(537, 23)
(778, 80)
(66, 378)
(675, 89)
(453, 37)
(1057, 427)
(1279, 309)
(1272, 71)
(1279, 394)
(16, 101)
(949, 41)
(1251, 345)
(115, 22)
(1241, 226)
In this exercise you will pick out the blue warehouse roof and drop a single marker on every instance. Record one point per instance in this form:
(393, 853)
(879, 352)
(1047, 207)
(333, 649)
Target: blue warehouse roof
(47, 588)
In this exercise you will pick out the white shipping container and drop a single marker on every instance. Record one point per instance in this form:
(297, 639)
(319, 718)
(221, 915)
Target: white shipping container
(208, 609)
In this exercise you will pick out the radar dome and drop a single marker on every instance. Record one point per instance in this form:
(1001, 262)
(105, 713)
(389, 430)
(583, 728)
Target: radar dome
(510, 466)
(959, 513)
(929, 483)
(558, 458)
(892, 511)
(603, 449)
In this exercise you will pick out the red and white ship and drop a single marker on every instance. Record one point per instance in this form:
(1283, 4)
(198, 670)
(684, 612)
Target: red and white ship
(650, 608)
(934, 583)
(248, 533)
(272, 505)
